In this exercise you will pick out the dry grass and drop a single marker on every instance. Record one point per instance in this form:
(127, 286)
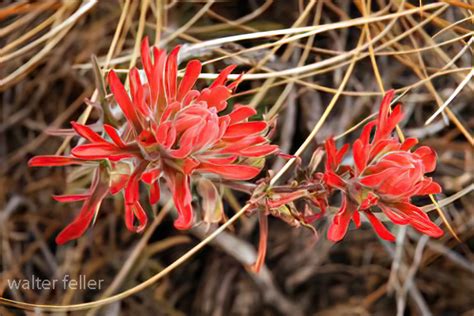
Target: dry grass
(321, 67)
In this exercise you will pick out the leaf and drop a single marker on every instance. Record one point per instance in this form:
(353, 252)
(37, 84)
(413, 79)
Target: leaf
(212, 207)
(284, 213)
(98, 78)
(316, 158)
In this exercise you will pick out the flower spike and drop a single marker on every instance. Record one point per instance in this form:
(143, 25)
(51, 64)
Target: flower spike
(171, 133)
(386, 175)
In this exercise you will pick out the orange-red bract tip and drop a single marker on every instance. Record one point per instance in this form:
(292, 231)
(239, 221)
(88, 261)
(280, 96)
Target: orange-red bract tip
(387, 174)
(170, 131)
(52, 161)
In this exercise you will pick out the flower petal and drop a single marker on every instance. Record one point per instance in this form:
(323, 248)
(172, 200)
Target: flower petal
(151, 175)
(408, 143)
(376, 179)
(193, 69)
(420, 220)
(369, 201)
(395, 117)
(138, 93)
(333, 156)
(133, 211)
(132, 189)
(356, 218)
(123, 100)
(53, 161)
(338, 227)
(190, 164)
(233, 85)
(333, 180)
(179, 186)
(360, 154)
(219, 160)
(222, 78)
(187, 140)
(87, 133)
(379, 228)
(145, 54)
(230, 171)
(98, 151)
(166, 134)
(88, 211)
(155, 78)
(244, 129)
(186, 122)
(114, 135)
(215, 97)
(155, 192)
(235, 146)
(259, 150)
(383, 117)
(428, 186)
(241, 113)
(171, 71)
(394, 215)
(428, 156)
(118, 182)
(71, 197)
(365, 134)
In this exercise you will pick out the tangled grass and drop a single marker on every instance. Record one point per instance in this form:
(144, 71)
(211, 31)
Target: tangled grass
(321, 67)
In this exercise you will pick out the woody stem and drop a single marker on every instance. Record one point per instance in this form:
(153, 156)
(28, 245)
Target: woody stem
(248, 187)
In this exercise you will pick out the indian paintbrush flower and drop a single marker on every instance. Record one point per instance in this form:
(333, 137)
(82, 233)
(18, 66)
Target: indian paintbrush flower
(386, 175)
(172, 132)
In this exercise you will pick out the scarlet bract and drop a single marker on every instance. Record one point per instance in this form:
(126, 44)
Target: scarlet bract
(386, 175)
(172, 132)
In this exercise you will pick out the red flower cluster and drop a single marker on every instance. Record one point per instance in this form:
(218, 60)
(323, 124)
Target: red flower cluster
(171, 132)
(386, 174)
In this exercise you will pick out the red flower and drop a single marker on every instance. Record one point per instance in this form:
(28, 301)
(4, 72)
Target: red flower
(386, 174)
(171, 132)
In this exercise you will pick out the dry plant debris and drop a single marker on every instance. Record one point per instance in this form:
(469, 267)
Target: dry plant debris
(317, 67)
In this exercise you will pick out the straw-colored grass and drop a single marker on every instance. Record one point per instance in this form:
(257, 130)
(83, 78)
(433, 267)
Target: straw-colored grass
(330, 62)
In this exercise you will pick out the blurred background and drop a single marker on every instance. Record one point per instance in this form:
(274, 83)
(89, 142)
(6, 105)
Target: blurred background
(296, 54)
